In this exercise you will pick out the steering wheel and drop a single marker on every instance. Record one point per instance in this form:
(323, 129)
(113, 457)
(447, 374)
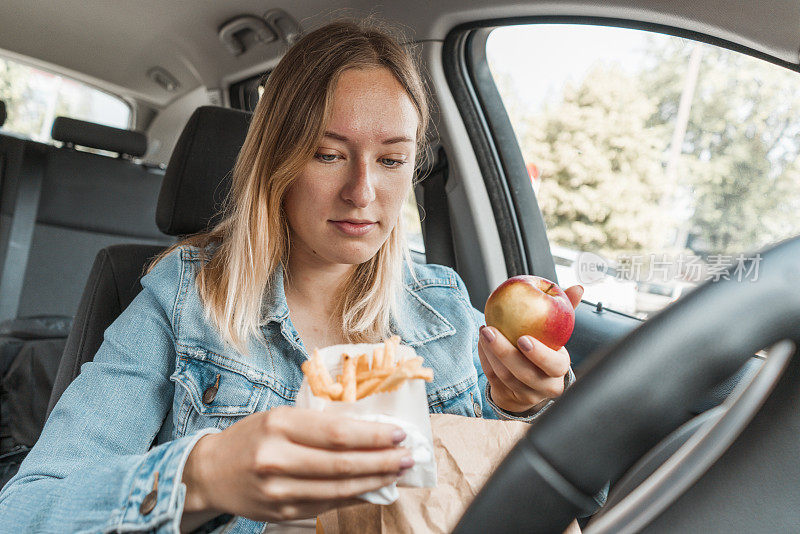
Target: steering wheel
(635, 393)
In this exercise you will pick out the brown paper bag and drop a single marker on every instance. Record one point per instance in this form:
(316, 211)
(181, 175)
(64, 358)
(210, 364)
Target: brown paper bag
(467, 451)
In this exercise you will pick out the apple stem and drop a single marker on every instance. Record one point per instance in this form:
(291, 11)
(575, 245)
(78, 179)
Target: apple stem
(552, 285)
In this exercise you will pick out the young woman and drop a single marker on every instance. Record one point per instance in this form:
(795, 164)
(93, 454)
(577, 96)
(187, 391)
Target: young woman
(205, 363)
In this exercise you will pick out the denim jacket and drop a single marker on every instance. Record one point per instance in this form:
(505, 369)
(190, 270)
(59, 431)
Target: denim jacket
(138, 408)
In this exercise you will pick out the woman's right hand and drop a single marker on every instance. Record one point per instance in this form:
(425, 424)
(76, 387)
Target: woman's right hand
(289, 463)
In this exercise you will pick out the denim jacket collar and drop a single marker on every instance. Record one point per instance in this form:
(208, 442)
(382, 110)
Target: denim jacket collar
(274, 307)
(416, 321)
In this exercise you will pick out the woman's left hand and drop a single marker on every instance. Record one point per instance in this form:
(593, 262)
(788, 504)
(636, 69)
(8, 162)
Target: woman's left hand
(521, 378)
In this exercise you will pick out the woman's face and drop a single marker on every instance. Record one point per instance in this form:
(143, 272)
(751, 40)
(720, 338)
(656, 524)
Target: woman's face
(348, 198)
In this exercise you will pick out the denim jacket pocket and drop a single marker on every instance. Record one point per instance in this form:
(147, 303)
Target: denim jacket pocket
(213, 394)
(458, 398)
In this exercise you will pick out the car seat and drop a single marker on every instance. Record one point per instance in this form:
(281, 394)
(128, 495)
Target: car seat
(46, 249)
(196, 182)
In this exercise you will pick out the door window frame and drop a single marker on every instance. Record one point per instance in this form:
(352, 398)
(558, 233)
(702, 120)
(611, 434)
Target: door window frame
(519, 219)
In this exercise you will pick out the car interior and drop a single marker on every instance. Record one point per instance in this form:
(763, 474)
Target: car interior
(687, 413)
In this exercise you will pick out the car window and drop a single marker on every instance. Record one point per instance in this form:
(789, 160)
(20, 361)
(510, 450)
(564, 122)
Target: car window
(657, 161)
(34, 98)
(412, 224)
(244, 94)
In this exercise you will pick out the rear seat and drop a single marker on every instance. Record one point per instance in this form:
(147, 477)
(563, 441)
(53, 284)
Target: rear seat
(87, 201)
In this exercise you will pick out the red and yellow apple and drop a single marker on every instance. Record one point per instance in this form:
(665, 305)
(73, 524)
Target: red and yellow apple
(533, 306)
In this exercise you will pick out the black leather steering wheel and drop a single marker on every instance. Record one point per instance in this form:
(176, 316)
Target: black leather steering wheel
(638, 391)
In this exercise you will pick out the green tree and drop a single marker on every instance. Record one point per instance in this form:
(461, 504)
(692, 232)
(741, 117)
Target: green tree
(739, 159)
(21, 104)
(600, 164)
(29, 94)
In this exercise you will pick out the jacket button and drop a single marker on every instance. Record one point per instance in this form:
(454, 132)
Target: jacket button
(211, 392)
(477, 408)
(148, 503)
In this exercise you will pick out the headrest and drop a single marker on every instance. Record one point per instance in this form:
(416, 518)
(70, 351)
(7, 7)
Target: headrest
(198, 175)
(93, 135)
(2, 112)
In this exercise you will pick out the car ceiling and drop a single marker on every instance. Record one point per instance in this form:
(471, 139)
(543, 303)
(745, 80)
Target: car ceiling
(113, 44)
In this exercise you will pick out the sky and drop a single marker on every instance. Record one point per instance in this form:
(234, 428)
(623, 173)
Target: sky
(542, 57)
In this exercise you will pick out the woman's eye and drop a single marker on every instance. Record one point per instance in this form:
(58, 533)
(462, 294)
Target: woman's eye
(391, 163)
(327, 158)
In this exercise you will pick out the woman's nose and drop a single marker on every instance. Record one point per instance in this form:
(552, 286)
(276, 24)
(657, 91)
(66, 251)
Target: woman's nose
(360, 187)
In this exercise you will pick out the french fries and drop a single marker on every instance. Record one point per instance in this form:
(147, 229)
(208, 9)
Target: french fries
(362, 376)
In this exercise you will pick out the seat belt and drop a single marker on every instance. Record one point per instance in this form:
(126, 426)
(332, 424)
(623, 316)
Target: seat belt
(20, 236)
(436, 230)
(12, 151)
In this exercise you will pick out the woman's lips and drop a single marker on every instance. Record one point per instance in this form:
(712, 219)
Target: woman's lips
(352, 228)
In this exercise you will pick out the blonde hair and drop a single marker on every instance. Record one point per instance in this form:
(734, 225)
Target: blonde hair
(252, 238)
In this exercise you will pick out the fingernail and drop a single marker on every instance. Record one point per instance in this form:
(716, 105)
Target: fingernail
(488, 335)
(406, 462)
(525, 344)
(398, 436)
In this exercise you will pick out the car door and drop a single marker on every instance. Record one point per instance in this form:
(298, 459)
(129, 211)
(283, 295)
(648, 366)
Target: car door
(648, 162)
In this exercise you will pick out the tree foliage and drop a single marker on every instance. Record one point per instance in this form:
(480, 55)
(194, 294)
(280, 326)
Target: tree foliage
(602, 150)
(740, 153)
(34, 98)
(600, 165)
(19, 98)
